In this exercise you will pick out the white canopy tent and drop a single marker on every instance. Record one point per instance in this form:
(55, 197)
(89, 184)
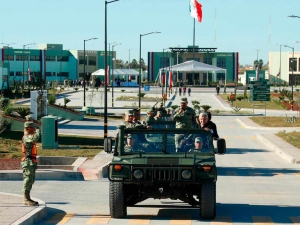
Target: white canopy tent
(120, 72)
(192, 66)
(101, 72)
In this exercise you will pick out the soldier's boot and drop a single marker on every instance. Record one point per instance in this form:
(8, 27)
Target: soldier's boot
(28, 201)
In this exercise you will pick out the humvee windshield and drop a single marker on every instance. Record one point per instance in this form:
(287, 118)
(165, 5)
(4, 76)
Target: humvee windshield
(166, 141)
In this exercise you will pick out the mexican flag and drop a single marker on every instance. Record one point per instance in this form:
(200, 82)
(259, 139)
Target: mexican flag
(170, 80)
(196, 10)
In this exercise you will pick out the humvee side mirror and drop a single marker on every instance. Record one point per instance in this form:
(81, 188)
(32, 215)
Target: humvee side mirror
(107, 145)
(221, 146)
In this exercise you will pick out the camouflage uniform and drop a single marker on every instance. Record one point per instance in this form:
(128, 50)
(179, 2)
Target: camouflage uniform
(136, 147)
(28, 163)
(184, 119)
(148, 119)
(131, 124)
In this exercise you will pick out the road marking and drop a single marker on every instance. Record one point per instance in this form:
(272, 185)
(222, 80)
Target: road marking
(99, 219)
(239, 137)
(253, 137)
(295, 220)
(221, 220)
(278, 174)
(60, 218)
(262, 220)
(241, 126)
(297, 174)
(231, 173)
(140, 219)
(226, 136)
(181, 220)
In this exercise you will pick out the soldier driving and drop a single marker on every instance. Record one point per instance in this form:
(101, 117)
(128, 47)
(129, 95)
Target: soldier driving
(133, 144)
(198, 145)
(29, 163)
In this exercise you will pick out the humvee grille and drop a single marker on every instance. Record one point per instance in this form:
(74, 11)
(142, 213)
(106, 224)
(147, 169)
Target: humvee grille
(163, 175)
(160, 161)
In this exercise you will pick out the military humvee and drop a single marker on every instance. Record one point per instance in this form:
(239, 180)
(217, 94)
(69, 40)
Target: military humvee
(155, 167)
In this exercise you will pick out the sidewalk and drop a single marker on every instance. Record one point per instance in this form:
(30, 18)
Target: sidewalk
(12, 210)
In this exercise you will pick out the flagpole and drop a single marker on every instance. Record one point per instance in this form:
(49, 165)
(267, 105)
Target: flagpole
(194, 47)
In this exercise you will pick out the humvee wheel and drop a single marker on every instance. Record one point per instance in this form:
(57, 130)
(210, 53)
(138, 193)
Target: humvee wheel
(117, 204)
(208, 201)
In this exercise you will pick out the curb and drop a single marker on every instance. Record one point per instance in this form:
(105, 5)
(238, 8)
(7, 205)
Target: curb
(290, 153)
(33, 217)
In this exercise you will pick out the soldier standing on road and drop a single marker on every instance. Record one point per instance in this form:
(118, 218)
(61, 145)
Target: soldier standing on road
(184, 117)
(29, 163)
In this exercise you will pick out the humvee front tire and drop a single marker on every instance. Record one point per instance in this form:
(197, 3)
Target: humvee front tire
(117, 204)
(208, 201)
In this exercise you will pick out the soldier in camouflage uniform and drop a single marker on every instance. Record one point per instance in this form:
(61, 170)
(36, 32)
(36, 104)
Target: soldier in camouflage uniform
(198, 145)
(161, 109)
(149, 117)
(129, 121)
(158, 116)
(133, 145)
(29, 163)
(184, 117)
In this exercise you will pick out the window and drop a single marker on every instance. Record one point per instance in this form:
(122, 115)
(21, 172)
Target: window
(63, 74)
(11, 73)
(220, 76)
(209, 62)
(18, 73)
(35, 58)
(92, 60)
(292, 64)
(9, 57)
(50, 74)
(63, 59)
(50, 58)
(221, 62)
(21, 57)
(81, 60)
(164, 62)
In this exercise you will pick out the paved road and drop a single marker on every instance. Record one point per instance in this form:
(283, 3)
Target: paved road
(255, 186)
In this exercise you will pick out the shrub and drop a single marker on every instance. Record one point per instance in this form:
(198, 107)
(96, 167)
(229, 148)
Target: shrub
(4, 102)
(66, 101)
(5, 124)
(195, 102)
(52, 99)
(142, 95)
(297, 90)
(275, 91)
(23, 111)
(8, 110)
(123, 90)
(205, 107)
(75, 89)
(174, 106)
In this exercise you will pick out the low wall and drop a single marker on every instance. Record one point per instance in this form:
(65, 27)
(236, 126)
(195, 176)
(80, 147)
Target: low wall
(65, 114)
(18, 123)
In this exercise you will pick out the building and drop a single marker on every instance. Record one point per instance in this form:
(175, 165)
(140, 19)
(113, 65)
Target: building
(286, 62)
(50, 61)
(226, 60)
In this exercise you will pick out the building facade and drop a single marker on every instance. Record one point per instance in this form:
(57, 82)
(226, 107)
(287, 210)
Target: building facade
(50, 61)
(284, 68)
(225, 60)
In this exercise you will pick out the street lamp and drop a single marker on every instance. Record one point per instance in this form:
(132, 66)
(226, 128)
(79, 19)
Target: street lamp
(129, 59)
(293, 16)
(84, 63)
(112, 87)
(279, 62)
(139, 80)
(292, 82)
(162, 85)
(23, 63)
(105, 65)
(257, 64)
(8, 58)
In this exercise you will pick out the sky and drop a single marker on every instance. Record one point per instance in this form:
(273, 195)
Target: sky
(250, 27)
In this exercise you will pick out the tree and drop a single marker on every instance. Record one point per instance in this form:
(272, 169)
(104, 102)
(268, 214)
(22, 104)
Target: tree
(120, 64)
(134, 64)
(259, 63)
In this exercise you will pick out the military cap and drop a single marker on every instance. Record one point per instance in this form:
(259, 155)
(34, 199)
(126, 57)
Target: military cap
(129, 113)
(130, 136)
(183, 100)
(198, 139)
(28, 124)
(29, 118)
(149, 111)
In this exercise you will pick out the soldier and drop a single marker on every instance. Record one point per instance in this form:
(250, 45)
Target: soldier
(198, 145)
(184, 117)
(136, 116)
(29, 118)
(161, 109)
(149, 117)
(158, 116)
(129, 120)
(29, 163)
(133, 145)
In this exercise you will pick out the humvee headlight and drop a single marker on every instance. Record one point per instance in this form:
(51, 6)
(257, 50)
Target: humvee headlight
(186, 174)
(138, 174)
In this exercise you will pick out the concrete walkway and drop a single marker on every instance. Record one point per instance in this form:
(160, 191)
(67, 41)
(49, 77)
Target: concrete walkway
(12, 210)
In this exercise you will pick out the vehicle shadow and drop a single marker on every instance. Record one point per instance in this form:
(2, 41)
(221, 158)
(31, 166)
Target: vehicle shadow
(243, 151)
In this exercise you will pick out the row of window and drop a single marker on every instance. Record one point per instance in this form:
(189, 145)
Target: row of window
(91, 60)
(293, 64)
(36, 58)
(48, 74)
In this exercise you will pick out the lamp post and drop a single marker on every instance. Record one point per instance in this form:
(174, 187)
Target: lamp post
(257, 64)
(105, 65)
(23, 64)
(112, 86)
(279, 62)
(84, 63)
(162, 85)
(129, 58)
(8, 58)
(292, 80)
(140, 71)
